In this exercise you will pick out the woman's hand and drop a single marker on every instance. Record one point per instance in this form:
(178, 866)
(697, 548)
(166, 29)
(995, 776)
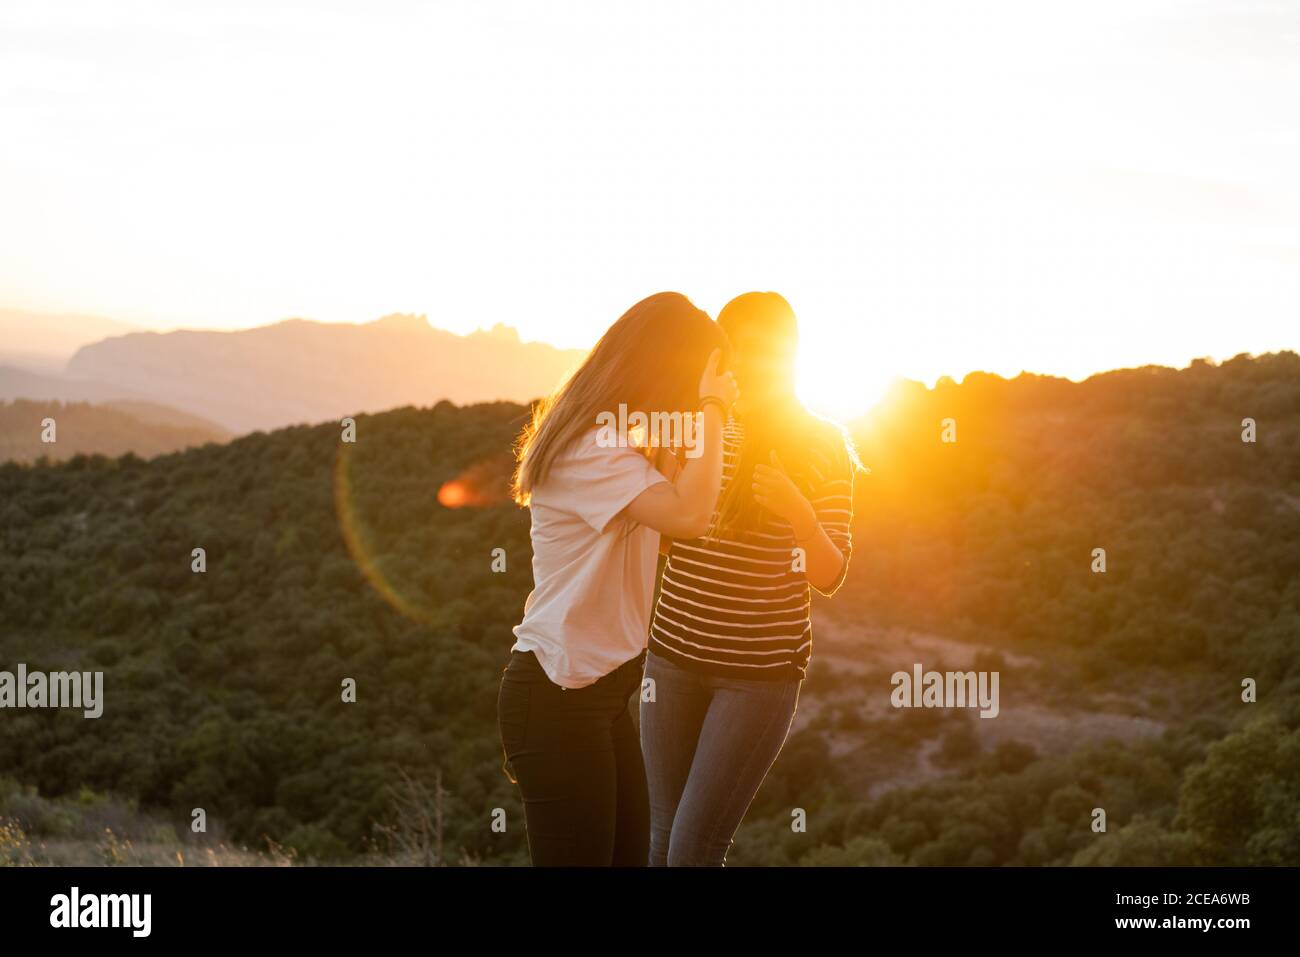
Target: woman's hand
(773, 489)
(719, 385)
(823, 561)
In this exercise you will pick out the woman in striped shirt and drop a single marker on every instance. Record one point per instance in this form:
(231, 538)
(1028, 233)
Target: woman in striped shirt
(731, 634)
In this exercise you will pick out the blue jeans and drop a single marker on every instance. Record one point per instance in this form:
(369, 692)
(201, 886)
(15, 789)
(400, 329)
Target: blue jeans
(708, 743)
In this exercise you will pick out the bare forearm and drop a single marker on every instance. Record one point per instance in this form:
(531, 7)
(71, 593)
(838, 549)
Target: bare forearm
(698, 483)
(684, 508)
(823, 562)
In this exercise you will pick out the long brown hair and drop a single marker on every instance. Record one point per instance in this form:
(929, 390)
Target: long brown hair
(650, 360)
(765, 339)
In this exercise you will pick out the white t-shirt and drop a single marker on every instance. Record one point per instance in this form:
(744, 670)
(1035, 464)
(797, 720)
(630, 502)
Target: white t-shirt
(593, 577)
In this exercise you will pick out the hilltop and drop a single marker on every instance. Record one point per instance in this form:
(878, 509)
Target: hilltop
(328, 561)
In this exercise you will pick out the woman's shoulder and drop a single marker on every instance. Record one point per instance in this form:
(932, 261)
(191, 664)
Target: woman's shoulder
(601, 451)
(830, 446)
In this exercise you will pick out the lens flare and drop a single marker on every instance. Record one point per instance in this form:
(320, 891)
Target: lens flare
(357, 540)
(482, 485)
(453, 494)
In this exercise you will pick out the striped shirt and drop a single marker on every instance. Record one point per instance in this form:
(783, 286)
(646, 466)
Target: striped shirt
(735, 606)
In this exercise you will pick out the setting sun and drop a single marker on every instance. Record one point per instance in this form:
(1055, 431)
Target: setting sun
(841, 382)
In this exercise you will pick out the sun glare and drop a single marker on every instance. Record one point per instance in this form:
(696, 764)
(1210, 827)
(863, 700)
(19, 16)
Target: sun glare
(839, 383)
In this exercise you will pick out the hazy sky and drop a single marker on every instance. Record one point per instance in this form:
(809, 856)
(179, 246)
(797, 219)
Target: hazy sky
(936, 187)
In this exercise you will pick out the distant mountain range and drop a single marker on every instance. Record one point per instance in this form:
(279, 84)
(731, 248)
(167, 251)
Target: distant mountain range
(43, 341)
(112, 429)
(297, 371)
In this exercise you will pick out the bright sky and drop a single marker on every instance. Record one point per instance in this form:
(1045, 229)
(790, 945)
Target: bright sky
(936, 187)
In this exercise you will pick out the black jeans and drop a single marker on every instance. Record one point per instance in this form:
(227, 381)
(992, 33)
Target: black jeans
(577, 761)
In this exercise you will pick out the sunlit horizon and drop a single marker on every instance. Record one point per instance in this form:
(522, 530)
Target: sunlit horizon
(830, 380)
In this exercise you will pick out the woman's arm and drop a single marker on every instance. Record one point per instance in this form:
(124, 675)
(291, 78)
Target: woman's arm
(823, 560)
(684, 508)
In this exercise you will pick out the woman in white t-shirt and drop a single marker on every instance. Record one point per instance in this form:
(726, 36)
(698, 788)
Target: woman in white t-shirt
(598, 507)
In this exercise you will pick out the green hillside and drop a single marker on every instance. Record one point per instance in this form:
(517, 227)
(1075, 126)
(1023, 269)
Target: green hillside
(329, 561)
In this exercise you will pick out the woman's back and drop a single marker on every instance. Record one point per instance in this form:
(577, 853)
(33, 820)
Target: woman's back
(593, 571)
